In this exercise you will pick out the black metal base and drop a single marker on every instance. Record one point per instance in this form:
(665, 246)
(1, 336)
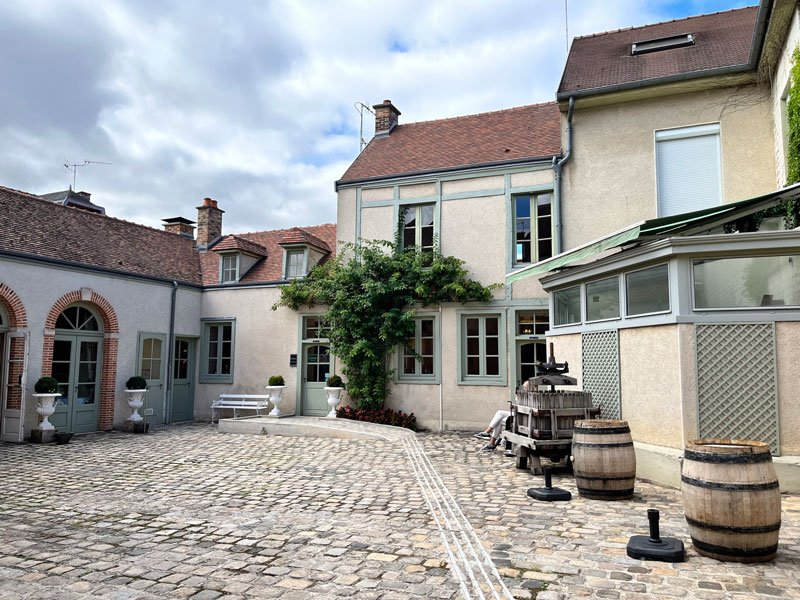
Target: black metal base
(549, 494)
(665, 549)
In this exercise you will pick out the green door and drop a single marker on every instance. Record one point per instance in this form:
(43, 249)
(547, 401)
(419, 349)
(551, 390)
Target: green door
(151, 368)
(316, 369)
(76, 367)
(182, 392)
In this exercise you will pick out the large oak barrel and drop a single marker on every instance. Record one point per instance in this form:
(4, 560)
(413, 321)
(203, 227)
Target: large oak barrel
(604, 460)
(731, 499)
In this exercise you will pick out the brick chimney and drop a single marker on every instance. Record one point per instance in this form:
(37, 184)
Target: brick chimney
(179, 226)
(209, 223)
(386, 118)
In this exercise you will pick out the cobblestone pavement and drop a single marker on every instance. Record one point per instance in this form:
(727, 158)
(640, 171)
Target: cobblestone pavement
(190, 513)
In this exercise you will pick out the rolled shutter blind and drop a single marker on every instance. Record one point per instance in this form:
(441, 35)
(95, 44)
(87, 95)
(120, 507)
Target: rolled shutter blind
(688, 169)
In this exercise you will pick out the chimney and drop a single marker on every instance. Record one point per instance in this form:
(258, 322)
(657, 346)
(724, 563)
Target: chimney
(385, 118)
(209, 223)
(179, 226)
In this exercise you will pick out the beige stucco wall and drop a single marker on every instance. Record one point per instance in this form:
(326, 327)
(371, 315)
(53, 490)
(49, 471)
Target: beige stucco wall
(788, 350)
(376, 194)
(346, 215)
(473, 184)
(474, 231)
(527, 288)
(377, 223)
(417, 191)
(568, 348)
(540, 177)
(610, 181)
(780, 82)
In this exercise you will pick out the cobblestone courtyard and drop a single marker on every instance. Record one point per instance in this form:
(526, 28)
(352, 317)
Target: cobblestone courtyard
(188, 512)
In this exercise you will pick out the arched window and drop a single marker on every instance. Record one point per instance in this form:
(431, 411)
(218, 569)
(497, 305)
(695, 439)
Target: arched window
(77, 318)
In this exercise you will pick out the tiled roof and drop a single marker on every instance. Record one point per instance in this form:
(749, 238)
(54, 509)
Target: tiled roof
(271, 268)
(604, 60)
(36, 227)
(236, 242)
(295, 235)
(510, 135)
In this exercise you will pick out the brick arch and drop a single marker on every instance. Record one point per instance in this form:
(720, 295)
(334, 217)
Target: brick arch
(17, 317)
(108, 373)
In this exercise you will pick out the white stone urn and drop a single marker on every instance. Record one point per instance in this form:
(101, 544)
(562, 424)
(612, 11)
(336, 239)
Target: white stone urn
(333, 395)
(276, 397)
(135, 401)
(46, 408)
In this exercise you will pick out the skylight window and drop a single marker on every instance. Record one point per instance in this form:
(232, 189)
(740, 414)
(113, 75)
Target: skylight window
(667, 43)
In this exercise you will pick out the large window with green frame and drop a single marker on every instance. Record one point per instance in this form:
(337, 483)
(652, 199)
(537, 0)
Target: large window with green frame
(217, 351)
(483, 351)
(418, 226)
(419, 356)
(533, 227)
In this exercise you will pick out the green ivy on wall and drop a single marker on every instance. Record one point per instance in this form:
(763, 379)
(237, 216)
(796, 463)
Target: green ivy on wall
(792, 207)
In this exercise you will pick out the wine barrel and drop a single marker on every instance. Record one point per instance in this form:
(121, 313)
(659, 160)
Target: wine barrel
(604, 460)
(731, 499)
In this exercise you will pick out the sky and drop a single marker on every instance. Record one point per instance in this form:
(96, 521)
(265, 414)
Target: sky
(253, 103)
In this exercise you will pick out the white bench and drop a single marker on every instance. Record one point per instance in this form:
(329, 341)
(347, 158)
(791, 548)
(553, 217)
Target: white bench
(239, 402)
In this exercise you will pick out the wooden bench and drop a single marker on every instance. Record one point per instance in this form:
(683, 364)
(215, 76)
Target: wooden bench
(238, 402)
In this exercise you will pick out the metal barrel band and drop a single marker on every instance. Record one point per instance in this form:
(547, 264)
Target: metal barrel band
(725, 551)
(733, 487)
(588, 478)
(588, 492)
(589, 445)
(598, 431)
(743, 459)
(732, 529)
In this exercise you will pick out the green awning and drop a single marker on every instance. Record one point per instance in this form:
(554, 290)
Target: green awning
(684, 224)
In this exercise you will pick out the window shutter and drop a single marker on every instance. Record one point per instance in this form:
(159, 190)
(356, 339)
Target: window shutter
(688, 169)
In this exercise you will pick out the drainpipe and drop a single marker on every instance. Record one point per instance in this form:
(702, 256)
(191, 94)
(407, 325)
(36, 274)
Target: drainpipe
(170, 351)
(557, 164)
(441, 380)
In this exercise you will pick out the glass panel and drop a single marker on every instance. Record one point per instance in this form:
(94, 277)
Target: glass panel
(212, 367)
(426, 327)
(409, 238)
(427, 365)
(473, 346)
(523, 254)
(213, 333)
(522, 207)
(492, 365)
(426, 215)
(525, 323)
(527, 353)
(311, 372)
(227, 331)
(602, 299)
(747, 282)
(63, 389)
(409, 365)
(543, 228)
(68, 318)
(411, 217)
(60, 371)
(89, 351)
(648, 290)
(567, 305)
(226, 366)
(473, 366)
(87, 372)
(311, 327)
(86, 320)
(543, 204)
(427, 237)
(427, 347)
(62, 350)
(491, 346)
(545, 249)
(472, 327)
(85, 394)
(491, 325)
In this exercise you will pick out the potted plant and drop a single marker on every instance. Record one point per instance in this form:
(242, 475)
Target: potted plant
(46, 392)
(333, 393)
(135, 387)
(275, 387)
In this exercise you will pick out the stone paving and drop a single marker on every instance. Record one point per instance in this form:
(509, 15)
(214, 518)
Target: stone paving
(191, 513)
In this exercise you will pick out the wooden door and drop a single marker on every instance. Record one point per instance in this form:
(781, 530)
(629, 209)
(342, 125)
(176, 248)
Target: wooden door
(182, 408)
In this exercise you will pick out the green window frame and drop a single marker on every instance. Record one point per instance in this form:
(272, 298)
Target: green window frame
(418, 226)
(647, 291)
(418, 358)
(567, 306)
(218, 344)
(229, 268)
(483, 351)
(603, 299)
(533, 227)
(295, 263)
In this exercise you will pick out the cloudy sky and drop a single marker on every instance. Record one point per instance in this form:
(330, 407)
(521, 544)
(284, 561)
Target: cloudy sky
(252, 102)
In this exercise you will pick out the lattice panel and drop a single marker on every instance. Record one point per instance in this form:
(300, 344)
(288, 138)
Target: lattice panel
(600, 352)
(736, 382)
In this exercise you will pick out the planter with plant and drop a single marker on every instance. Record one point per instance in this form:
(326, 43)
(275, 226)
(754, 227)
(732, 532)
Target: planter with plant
(333, 393)
(275, 391)
(135, 387)
(46, 392)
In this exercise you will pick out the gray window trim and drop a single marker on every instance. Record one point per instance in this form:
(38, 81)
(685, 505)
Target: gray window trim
(436, 377)
(493, 380)
(534, 212)
(669, 291)
(222, 258)
(206, 377)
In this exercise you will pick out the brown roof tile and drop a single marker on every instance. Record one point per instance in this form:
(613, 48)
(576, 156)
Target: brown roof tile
(299, 236)
(604, 60)
(35, 227)
(236, 242)
(510, 135)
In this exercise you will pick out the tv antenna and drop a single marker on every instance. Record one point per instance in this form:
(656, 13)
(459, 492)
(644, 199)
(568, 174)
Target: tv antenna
(73, 167)
(360, 108)
(566, 24)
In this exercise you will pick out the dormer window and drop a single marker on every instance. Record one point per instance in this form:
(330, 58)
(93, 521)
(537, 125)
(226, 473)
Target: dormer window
(295, 263)
(230, 268)
(659, 44)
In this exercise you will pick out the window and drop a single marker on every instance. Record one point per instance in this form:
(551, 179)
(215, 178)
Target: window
(230, 268)
(688, 169)
(315, 328)
(602, 299)
(218, 339)
(418, 226)
(747, 282)
(78, 318)
(482, 349)
(533, 228)
(648, 290)
(532, 323)
(667, 43)
(567, 306)
(418, 356)
(295, 263)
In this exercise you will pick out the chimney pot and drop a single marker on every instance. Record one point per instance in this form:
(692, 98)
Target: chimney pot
(386, 118)
(209, 222)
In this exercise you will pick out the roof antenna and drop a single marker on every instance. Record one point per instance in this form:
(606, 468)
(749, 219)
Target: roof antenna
(360, 108)
(566, 25)
(74, 168)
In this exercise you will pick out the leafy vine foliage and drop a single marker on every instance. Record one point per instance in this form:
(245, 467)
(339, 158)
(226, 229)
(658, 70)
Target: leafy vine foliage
(792, 207)
(370, 291)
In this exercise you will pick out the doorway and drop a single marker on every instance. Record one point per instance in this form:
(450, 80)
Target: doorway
(150, 366)
(182, 408)
(316, 370)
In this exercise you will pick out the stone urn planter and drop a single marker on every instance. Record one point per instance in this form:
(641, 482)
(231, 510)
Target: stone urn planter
(135, 388)
(46, 407)
(333, 394)
(275, 391)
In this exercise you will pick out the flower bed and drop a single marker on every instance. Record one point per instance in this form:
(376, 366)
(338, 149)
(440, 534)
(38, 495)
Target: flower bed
(383, 416)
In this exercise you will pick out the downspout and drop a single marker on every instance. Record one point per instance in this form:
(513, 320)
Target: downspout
(557, 165)
(170, 351)
(441, 380)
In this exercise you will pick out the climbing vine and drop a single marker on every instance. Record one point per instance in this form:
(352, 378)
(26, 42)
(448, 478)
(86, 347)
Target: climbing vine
(370, 291)
(792, 207)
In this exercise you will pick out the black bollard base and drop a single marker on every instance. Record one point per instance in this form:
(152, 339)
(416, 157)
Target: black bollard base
(665, 549)
(549, 494)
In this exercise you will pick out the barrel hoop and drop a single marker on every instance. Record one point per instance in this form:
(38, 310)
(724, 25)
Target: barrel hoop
(741, 552)
(735, 487)
(624, 493)
(588, 445)
(601, 431)
(628, 477)
(727, 458)
(732, 529)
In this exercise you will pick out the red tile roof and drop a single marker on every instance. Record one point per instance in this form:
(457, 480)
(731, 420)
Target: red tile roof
(38, 228)
(299, 236)
(601, 61)
(236, 242)
(510, 135)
